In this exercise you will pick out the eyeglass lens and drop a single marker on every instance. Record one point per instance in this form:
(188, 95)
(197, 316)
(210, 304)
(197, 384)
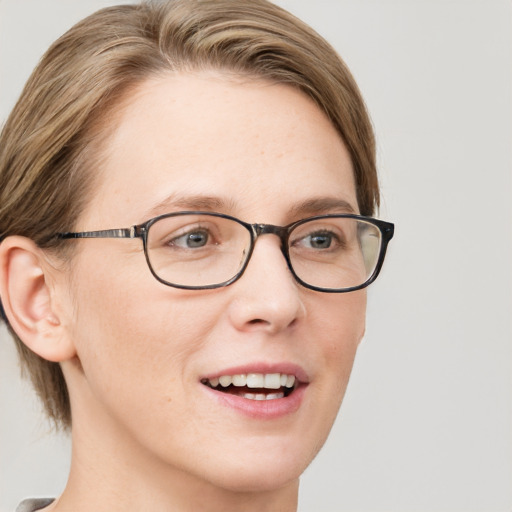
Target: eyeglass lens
(206, 250)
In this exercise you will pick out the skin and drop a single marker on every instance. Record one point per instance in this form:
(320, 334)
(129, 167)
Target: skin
(145, 434)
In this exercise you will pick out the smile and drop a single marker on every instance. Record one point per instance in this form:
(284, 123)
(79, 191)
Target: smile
(254, 386)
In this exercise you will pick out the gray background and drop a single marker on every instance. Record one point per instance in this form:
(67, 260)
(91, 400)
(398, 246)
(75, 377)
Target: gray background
(427, 422)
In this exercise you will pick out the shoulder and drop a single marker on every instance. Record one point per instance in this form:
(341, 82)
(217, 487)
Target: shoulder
(33, 504)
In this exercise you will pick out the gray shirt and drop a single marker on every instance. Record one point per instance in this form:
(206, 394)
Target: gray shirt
(33, 504)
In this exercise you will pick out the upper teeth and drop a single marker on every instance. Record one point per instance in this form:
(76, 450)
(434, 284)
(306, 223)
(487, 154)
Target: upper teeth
(254, 380)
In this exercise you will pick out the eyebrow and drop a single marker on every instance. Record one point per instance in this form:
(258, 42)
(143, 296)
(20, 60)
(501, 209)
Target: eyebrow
(307, 208)
(192, 202)
(321, 205)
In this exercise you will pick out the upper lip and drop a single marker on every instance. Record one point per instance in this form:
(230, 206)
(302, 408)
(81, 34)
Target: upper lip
(264, 368)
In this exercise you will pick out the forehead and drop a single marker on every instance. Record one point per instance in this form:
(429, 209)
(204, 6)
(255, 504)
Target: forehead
(248, 143)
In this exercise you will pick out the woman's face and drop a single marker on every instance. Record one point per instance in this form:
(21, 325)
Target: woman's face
(263, 153)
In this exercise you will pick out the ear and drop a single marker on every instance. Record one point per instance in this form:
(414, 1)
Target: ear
(29, 297)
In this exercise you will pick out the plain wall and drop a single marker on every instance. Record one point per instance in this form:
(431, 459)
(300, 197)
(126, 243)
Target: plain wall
(427, 421)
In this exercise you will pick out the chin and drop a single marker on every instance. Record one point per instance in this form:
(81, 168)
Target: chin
(260, 478)
(270, 468)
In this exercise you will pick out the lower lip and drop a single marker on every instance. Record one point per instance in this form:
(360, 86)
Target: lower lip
(261, 409)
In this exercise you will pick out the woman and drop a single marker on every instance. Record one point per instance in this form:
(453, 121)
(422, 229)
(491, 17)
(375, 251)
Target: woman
(186, 192)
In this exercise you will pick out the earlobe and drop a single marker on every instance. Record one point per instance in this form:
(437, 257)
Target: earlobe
(29, 299)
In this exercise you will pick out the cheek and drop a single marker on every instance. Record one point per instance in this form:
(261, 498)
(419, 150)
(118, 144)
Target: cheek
(134, 337)
(342, 322)
(351, 327)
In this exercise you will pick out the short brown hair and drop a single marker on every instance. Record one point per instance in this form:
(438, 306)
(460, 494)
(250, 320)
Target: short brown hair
(45, 145)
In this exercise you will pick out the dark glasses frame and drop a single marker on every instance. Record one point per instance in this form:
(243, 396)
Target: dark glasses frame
(283, 232)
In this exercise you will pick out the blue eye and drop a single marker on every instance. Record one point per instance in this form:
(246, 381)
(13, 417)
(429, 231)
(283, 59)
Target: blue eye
(192, 240)
(320, 240)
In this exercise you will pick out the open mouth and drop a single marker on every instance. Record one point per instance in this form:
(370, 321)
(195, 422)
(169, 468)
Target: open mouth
(254, 386)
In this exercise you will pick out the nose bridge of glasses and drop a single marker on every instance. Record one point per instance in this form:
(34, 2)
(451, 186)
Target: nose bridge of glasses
(270, 229)
(263, 229)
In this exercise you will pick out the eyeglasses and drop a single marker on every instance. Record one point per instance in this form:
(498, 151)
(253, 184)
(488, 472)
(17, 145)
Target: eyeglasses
(200, 250)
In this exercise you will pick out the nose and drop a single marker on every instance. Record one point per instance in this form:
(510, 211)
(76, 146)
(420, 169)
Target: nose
(267, 297)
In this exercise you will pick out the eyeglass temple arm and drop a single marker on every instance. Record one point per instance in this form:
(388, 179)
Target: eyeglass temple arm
(132, 232)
